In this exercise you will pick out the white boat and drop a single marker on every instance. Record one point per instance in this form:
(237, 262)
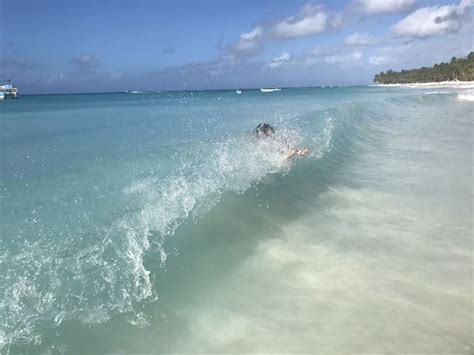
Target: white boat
(8, 91)
(270, 89)
(2, 96)
(238, 91)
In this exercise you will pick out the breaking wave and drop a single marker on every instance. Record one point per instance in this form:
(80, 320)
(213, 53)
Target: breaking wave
(90, 271)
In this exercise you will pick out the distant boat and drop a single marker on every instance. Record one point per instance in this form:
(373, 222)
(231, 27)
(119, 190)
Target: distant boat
(238, 91)
(136, 92)
(8, 91)
(270, 89)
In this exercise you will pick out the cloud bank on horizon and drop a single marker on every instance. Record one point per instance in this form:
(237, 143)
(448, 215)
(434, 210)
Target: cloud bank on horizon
(127, 46)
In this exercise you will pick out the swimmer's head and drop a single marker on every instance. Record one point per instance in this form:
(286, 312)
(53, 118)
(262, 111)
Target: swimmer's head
(264, 130)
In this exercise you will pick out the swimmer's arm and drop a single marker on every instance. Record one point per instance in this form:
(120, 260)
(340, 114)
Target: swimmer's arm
(297, 152)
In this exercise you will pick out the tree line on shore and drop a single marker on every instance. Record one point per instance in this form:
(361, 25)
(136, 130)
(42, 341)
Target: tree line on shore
(457, 69)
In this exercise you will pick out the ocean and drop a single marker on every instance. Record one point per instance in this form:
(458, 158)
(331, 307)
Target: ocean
(158, 222)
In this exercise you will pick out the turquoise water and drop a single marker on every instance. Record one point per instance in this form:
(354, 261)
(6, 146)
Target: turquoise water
(156, 222)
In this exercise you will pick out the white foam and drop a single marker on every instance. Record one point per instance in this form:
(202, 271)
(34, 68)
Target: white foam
(433, 85)
(3, 340)
(467, 96)
(233, 165)
(324, 140)
(437, 93)
(324, 280)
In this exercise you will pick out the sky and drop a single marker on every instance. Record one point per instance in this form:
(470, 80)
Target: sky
(61, 46)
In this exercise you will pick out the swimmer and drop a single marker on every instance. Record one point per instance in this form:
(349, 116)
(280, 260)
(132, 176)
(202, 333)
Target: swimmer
(265, 130)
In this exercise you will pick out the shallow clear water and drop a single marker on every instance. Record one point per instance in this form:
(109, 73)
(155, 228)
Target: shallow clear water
(156, 222)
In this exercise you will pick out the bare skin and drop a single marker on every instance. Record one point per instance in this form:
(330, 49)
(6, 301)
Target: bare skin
(293, 152)
(266, 131)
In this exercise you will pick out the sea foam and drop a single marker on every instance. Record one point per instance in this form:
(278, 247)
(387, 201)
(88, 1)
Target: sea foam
(466, 96)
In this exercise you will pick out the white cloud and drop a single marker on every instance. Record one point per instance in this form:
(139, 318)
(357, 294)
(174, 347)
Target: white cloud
(399, 50)
(343, 58)
(86, 63)
(54, 78)
(276, 62)
(360, 39)
(431, 21)
(319, 51)
(118, 76)
(336, 21)
(324, 56)
(252, 35)
(284, 57)
(249, 42)
(384, 6)
(379, 60)
(311, 20)
(415, 54)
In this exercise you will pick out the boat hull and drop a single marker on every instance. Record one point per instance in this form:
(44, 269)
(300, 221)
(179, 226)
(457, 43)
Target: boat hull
(270, 90)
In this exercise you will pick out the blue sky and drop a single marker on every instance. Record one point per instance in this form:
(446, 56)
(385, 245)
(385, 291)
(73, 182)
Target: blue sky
(55, 46)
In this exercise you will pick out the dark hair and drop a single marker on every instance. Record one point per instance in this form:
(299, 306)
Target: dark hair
(264, 129)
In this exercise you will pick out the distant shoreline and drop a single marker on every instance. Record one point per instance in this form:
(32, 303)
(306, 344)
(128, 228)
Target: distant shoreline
(433, 85)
